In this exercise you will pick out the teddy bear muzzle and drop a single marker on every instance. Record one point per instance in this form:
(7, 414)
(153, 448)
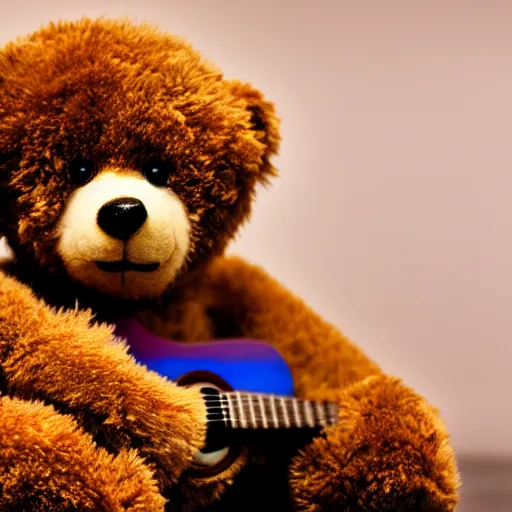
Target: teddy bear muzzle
(123, 235)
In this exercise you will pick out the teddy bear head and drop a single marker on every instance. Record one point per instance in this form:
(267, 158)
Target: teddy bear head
(126, 160)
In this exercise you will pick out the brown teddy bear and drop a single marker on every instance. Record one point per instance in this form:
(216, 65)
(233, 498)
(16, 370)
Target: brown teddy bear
(127, 164)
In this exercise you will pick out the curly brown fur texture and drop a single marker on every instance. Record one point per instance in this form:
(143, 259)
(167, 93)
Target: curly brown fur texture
(54, 465)
(66, 360)
(82, 426)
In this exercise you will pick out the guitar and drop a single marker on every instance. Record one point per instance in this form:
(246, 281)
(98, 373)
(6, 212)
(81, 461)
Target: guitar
(246, 384)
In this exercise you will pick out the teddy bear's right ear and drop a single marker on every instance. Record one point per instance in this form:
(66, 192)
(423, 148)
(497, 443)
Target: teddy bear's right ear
(264, 123)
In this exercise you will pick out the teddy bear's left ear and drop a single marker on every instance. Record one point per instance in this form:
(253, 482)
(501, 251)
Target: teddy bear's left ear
(264, 122)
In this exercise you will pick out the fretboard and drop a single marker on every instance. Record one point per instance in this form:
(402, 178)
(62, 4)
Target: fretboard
(263, 411)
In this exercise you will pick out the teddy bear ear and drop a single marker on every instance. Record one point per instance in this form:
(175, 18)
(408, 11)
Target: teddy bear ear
(264, 123)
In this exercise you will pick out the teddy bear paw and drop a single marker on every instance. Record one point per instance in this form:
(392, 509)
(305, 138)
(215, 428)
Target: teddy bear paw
(389, 452)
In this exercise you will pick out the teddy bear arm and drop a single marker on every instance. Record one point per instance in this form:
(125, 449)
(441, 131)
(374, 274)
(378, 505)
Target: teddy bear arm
(64, 359)
(320, 357)
(48, 463)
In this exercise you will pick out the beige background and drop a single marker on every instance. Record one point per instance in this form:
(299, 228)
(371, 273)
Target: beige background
(393, 215)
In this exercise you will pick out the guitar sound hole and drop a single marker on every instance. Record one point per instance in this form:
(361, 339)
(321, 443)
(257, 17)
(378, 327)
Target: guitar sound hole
(219, 451)
(211, 458)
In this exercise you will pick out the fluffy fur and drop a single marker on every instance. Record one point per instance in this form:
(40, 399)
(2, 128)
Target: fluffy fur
(83, 427)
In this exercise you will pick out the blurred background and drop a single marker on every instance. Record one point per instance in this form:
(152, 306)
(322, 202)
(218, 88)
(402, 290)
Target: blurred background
(392, 216)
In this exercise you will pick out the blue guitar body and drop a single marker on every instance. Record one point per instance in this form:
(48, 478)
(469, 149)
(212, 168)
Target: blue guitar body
(246, 365)
(246, 384)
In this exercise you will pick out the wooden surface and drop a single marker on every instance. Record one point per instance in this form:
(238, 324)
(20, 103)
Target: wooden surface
(486, 485)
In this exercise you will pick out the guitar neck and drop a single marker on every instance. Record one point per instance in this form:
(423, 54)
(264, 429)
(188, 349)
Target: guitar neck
(239, 410)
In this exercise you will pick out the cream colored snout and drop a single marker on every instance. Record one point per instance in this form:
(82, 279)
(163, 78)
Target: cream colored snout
(124, 236)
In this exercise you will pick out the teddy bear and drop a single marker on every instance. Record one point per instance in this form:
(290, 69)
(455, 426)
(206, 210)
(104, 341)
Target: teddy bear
(127, 164)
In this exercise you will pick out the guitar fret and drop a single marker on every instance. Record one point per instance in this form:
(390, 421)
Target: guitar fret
(269, 411)
(262, 411)
(272, 400)
(291, 411)
(252, 412)
(231, 409)
(296, 413)
(225, 413)
(320, 412)
(243, 421)
(285, 412)
(308, 412)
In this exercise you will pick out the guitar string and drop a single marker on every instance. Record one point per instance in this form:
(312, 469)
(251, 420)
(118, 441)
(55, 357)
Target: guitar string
(250, 401)
(326, 411)
(262, 415)
(279, 419)
(226, 401)
(279, 425)
(266, 395)
(288, 401)
(275, 398)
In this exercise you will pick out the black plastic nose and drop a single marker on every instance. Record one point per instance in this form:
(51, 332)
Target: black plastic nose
(123, 217)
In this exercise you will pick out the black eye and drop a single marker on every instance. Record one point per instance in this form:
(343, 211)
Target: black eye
(81, 170)
(157, 171)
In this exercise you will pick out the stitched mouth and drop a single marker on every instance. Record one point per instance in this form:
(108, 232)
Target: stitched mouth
(125, 266)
